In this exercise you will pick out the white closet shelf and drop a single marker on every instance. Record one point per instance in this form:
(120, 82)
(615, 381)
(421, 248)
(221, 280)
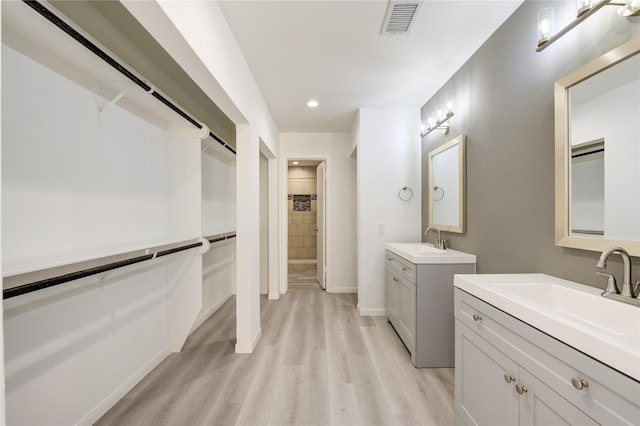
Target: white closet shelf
(214, 148)
(105, 254)
(218, 233)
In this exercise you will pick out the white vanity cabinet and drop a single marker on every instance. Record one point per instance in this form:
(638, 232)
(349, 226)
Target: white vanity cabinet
(419, 302)
(509, 373)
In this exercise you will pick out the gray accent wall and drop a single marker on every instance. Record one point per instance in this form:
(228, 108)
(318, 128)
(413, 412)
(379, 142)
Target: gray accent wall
(503, 102)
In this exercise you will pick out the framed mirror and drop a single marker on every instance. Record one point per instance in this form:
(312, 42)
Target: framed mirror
(446, 186)
(597, 153)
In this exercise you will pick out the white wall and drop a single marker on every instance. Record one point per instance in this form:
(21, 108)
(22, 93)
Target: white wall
(341, 202)
(388, 159)
(3, 416)
(218, 195)
(197, 36)
(72, 181)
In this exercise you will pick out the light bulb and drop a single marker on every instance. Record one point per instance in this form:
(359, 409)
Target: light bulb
(544, 28)
(545, 24)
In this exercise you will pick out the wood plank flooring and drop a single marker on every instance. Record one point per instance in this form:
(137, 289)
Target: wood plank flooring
(318, 363)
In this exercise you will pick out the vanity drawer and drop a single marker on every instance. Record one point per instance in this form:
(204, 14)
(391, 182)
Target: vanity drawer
(401, 267)
(607, 396)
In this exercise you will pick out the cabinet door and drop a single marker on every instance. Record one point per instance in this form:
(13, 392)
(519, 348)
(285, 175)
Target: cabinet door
(540, 405)
(393, 297)
(408, 312)
(485, 381)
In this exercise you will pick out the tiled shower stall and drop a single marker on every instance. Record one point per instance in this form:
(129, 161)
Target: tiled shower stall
(302, 218)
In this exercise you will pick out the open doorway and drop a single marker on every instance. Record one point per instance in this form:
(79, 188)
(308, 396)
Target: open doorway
(306, 224)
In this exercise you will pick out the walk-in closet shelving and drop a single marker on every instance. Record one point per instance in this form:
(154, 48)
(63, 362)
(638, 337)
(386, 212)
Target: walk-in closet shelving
(218, 225)
(95, 171)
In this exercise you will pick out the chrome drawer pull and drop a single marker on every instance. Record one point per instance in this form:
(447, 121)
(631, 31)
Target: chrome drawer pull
(477, 317)
(509, 378)
(521, 389)
(579, 383)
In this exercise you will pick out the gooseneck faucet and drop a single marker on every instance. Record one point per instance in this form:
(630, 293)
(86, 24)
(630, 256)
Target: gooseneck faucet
(440, 243)
(627, 289)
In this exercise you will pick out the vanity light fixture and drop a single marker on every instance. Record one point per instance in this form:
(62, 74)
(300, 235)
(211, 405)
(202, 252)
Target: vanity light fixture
(631, 8)
(584, 6)
(585, 9)
(430, 125)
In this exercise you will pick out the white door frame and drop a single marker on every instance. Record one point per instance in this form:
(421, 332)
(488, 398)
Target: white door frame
(284, 218)
(321, 234)
(272, 207)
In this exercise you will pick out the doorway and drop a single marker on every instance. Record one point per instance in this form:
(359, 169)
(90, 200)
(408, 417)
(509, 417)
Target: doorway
(306, 224)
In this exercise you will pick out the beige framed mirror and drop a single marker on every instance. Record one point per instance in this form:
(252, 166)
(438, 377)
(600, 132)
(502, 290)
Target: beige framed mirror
(447, 186)
(597, 153)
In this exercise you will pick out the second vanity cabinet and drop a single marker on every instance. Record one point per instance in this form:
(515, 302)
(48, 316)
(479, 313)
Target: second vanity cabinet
(419, 301)
(509, 373)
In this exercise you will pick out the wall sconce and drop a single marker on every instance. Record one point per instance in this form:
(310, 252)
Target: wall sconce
(585, 9)
(431, 125)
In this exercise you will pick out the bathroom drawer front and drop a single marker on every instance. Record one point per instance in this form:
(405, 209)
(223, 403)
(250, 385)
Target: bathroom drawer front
(401, 267)
(609, 398)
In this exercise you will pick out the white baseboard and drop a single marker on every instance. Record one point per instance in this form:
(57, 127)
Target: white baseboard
(371, 312)
(94, 415)
(274, 296)
(212, 309)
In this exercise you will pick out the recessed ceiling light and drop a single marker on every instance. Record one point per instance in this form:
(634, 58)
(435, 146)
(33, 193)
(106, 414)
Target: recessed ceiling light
(295, 163)
(312, 103)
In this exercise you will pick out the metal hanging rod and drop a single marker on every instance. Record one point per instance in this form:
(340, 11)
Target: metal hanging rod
(215, 239)
(54, 19)
(223, 143)
(61, 279)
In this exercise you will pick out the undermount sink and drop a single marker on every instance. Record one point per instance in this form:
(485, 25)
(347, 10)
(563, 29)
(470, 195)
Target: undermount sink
(423, 253)
(575, 314)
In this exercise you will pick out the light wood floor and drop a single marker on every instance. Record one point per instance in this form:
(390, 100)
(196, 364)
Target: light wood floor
(318, 363)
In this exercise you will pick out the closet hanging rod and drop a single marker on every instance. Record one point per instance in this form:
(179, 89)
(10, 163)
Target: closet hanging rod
(223, 143)
(217, 238)
(54, 19)
(61, 279)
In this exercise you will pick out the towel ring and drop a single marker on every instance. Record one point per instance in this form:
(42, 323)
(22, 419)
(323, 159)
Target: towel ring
(405, 193)
(436, 188)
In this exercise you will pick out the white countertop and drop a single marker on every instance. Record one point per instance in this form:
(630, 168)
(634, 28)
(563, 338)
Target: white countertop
(423, 253)
(573, 313)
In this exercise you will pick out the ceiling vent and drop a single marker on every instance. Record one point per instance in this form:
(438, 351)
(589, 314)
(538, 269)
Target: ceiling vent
(400, 17)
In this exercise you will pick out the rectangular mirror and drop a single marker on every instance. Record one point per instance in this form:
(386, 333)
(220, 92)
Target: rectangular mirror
(446, 186)
(598, 153)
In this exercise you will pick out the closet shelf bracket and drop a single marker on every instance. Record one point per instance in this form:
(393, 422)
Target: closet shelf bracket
(115, 100)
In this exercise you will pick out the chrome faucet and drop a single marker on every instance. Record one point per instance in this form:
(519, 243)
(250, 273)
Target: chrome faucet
(628, 293)
(440, 243)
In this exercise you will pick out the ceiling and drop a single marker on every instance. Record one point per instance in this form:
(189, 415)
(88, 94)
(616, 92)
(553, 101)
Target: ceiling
(332, 51)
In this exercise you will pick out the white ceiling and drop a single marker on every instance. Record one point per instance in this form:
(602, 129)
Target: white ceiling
(332, 51)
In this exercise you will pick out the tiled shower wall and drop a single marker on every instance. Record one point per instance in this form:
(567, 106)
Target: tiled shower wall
(302, 218)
